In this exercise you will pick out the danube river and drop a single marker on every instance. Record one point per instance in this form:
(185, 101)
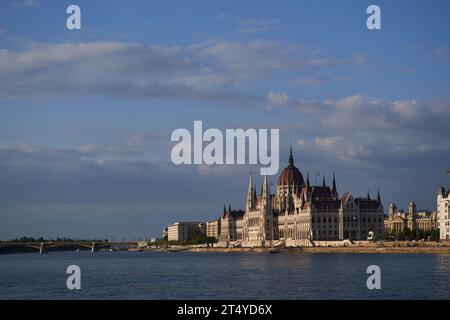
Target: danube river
(187, 275)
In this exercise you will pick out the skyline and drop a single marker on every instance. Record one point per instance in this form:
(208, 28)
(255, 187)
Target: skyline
(86, 115)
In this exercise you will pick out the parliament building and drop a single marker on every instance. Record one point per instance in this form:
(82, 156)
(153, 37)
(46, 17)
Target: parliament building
(300, 214)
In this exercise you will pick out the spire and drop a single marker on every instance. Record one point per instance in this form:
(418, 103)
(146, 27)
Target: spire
(291, 158)
(265, 195)
(265, 184)
(378, 196)
(334, 189)
(250, 184)
(323, 181)
(250, 203)
(224, 214)
(262, 190)
(307, 179)
(334, 183)
(229, 207)
(368, 195)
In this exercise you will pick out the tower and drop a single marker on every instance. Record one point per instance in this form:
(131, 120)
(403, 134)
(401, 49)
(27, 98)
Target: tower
(307, 179)
(412, 210)
(265, 217)
(412, 216)
(251, 199)
(392, 210)
(334, 192)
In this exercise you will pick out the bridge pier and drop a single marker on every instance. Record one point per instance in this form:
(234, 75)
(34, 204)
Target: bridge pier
(93, 247)
(42, 248)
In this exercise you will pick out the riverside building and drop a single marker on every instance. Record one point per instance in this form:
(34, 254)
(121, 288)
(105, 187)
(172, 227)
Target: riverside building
(413, 219)
(298, 214)
(443, 204)
(184, 231)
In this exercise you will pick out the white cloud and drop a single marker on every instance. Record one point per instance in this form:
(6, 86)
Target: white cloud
(276, 99)
(207, 71)
(358, 131)
(347, 103)
(406, 108)
(327, 142)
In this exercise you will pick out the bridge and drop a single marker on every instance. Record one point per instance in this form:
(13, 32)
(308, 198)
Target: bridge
(44, 247)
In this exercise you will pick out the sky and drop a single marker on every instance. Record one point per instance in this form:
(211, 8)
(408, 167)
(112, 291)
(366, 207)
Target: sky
(86, 115)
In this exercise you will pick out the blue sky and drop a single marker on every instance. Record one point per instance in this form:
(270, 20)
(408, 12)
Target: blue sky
(86, 115)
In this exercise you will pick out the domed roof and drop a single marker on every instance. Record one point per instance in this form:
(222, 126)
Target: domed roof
(291, 175)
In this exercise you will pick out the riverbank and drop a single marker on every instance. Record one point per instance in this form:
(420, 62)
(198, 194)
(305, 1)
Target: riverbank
(341, 250)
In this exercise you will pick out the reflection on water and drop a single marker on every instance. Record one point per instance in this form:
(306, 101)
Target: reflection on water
(185, 275)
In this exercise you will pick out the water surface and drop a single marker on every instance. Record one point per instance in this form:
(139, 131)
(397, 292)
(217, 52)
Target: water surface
(186, 275)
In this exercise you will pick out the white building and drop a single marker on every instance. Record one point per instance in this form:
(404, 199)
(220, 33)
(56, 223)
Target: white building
(184, 231)
(443, 204)
(213, 228)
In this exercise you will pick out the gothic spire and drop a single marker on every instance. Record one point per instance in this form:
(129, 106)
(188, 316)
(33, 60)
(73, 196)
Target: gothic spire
(378, 196)
(334, 183)
(291, 158)
(250, 203)
(266, 183)
(368, 195)
(323, 181)
(307, 179)
(265, 196)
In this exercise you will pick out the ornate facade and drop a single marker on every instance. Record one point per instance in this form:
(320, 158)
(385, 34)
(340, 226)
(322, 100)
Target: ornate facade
(412, 219)
(300, 213)
(231, 225)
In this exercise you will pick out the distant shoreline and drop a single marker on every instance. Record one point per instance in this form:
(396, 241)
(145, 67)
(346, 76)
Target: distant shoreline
(331, 250)
(366, 248)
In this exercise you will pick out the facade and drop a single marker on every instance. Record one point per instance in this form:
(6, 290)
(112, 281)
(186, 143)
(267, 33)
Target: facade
(443, 204)
(213, 228)
(184, 231)
(299, 213)
(231, 225)
(399, 220)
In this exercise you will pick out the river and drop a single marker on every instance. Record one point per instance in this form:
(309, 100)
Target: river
(188, 275)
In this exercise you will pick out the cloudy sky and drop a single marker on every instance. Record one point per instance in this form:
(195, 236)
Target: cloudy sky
(86, 115)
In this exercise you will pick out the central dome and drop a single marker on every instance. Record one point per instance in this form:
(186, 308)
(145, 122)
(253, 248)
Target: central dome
(291, 175)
